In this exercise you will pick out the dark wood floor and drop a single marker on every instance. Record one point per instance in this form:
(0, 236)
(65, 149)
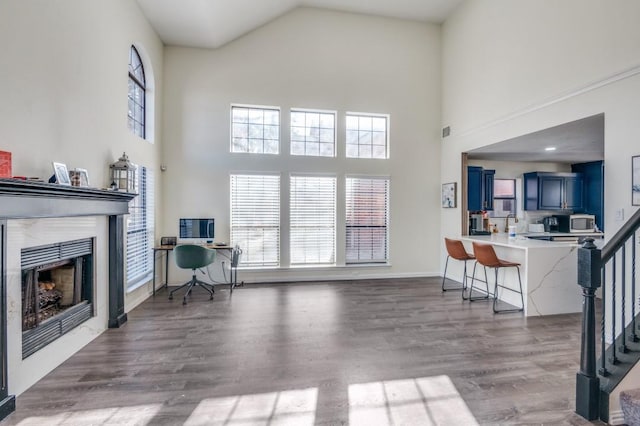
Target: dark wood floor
(363, 352)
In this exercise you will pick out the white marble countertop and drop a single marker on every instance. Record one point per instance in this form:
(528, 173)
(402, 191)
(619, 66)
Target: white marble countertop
(519, 242)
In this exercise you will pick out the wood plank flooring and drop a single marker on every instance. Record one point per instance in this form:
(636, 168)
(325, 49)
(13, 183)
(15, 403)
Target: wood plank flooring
(370, 352)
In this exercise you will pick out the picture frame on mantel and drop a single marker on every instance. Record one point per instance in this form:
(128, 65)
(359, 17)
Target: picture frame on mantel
(449, 195)
(61, 173)
(635, 180)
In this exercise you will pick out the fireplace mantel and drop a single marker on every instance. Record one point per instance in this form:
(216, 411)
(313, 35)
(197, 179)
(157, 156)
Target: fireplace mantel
(20, 199)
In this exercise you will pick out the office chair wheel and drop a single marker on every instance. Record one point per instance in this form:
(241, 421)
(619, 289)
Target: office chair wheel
(184, 301)
(171, 297)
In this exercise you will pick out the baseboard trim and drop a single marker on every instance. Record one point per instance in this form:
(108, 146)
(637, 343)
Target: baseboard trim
(286, 278)
(616, 418)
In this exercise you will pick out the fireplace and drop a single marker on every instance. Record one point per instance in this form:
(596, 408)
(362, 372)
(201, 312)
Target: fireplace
(57, 291)
(35, 215)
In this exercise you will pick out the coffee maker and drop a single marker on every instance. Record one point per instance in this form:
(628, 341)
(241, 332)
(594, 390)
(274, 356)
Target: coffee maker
(551, 224)
(477, 224)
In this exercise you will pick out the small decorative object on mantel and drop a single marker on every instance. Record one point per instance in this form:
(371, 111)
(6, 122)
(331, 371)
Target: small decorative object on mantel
(449, 195)
(5, 164)
(123, 175)
(79, 177)
(61, 174)
(635, 180)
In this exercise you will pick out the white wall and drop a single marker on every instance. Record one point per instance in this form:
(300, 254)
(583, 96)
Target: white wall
(63, 82)
(311, 58)
(512, 68)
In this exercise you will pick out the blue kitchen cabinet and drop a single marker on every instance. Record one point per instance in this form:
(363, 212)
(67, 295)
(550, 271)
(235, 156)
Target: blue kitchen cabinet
(479, 188)
(553, 191)
(593, 181)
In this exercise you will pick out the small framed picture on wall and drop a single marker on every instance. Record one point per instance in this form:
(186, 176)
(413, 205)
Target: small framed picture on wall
(449, 195)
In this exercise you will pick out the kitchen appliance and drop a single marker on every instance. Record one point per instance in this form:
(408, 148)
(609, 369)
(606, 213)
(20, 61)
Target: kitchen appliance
(536, 227)
(476, 223)
(576, 223)
(550, 224)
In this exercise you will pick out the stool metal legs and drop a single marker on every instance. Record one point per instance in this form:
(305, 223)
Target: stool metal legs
(464, 278)
(495, 293)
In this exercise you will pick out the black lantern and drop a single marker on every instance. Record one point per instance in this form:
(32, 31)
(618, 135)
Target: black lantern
(123, 175)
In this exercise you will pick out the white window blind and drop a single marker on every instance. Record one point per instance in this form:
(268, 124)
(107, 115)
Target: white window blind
(255, 218)
(313, 220)
(367, 220)
(140, 228)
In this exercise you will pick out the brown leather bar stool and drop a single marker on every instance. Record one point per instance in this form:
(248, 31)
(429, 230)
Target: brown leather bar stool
(456, 250)
(486, 256)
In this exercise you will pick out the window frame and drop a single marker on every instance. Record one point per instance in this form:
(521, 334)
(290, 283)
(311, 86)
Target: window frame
(514, 198)
(386, 226)
(333, 261)
(263, 108)
(141, 84)
(387, 132)
(145, 213)
(243, 258)
(320, 142)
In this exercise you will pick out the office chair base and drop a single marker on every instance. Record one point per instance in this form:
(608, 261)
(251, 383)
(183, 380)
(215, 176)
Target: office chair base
(189, 285)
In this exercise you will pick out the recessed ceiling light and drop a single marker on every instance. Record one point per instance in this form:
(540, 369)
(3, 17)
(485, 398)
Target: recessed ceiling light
(550, 148)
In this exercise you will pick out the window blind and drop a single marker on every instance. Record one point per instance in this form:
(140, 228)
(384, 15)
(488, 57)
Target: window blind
(313, 220)
(255, 218)
(367, 220)
(140, 229)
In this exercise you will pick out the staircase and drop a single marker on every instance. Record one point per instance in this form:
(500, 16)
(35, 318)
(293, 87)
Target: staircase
(610, 332)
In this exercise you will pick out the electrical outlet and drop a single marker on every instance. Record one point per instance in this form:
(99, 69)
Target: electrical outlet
(619, 215)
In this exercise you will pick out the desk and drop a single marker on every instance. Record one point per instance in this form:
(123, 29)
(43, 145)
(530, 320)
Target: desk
(233, 257)
(165, 250)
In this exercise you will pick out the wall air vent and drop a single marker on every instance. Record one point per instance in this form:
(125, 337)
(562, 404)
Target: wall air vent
(446, 131)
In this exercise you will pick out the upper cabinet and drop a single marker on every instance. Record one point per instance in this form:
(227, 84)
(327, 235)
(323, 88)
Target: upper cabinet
(593, 181)
(553, 191)
(479, 188)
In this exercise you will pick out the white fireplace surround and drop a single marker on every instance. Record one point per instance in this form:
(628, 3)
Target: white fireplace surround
(23, 233)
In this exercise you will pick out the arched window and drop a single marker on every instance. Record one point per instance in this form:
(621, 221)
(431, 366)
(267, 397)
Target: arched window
(137, 94)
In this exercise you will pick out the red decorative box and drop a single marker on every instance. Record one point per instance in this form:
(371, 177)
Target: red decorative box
(5, 164)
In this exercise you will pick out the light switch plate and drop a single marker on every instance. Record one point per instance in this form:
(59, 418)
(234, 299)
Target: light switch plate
(619, 215)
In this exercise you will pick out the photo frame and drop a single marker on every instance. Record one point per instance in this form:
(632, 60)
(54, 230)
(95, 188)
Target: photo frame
(79, 177)
(61, 173)
(449, 195)
(635, 180)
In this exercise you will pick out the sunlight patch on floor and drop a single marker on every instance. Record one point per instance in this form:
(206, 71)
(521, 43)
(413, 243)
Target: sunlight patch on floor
(292, 407)
(133, 415)
(425, 401)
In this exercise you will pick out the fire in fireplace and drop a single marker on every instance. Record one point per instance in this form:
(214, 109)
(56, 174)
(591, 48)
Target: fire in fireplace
(57, 291)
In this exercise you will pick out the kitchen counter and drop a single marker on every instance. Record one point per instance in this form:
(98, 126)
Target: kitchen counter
(548, 271)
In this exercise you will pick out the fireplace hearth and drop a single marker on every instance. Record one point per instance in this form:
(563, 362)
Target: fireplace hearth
(57, 291)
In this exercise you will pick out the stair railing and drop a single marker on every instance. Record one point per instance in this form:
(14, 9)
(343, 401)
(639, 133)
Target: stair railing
(593, 265)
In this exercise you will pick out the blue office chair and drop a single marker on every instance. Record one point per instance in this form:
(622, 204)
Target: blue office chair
(189, 256)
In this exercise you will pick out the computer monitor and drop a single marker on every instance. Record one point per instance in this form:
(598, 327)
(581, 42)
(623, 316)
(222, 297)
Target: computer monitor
(197, 228)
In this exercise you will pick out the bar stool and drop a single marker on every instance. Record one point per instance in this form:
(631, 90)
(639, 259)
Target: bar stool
(456, 250)
(486, 256)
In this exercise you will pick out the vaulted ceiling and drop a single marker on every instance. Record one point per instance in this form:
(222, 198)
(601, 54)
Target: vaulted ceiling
(212, 23)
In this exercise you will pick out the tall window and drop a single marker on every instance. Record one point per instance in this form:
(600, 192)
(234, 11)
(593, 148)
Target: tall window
(367, 136)
(137, 94)
(255, 218)
(313, 220)
(255, 130)
(367, 220)
(313, 133)
(140, 226)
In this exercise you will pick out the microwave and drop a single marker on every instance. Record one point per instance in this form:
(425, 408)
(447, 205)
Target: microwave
(576, 223)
